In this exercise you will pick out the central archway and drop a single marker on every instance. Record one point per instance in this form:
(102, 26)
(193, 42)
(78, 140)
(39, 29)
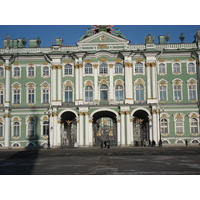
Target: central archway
(104, 128)
(68, 129)
(141, 134)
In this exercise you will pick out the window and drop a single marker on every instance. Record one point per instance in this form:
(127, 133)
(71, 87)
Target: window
(104, 92)
(68, 69)
(45, 128)
(1, 129)
(164, 126)
(192, 92)
(1, 96)
(16, 72)
(31, 96)
(45, 71)
(177, 92)
(163, 92)
(162, 68)
(31, 129)
(45, 95)
(1, 72)
(176, 68)
(88, 94)
(139, 68)
(118, 68)
(68, 94)
(191, 68)
(16, 129)
(119, 94)
(88, 68)
(139, 92)
(31, 72)
(16, 96)
(194, 125)
(179, 125)
(103, 68)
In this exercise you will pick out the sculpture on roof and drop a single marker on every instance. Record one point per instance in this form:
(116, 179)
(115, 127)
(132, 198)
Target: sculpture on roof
(88, 34)
(182, 37)
(118, 33)
(149, 39)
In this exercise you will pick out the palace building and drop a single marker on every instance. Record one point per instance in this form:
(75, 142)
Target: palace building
(104, 88)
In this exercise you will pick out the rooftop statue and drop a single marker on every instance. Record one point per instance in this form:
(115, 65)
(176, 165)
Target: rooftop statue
(149, 39)
(88, 34)
(118, 33)
(182, 37)
(197, 36)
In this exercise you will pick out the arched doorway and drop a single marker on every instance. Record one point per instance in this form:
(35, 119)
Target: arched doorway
(104, 128)
(68, 129)
(140, 128)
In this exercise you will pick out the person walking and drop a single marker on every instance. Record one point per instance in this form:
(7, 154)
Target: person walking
(186, 143)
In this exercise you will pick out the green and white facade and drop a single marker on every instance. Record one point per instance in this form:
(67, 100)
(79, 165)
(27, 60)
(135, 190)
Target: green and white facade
(104, 88)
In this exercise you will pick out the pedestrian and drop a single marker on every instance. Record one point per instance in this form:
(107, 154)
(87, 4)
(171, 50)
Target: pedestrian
(108, 144)
(102, 144)
(150, 143)
(186, 143)
(105, 143)
(160, 143)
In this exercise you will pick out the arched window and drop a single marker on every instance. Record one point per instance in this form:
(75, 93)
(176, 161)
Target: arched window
(104, 92)
(16, 129)
(118, 68)
(194, 125)
(45, 71)
(103, 68)
(45, 95)
(31, 72)
(88, 68)
(139, 68)
(45, 128)
(16, 96)
(192, 92)
(31, 129)
(163, 92)
(179, 126)
(119, 93)
(164, 126)
(162, 68)
(1, 72)
(191, 68)
(1, 129)
(31, 95)
(177, 92)
(139, 92)
(68, 69)
(68, 94)
(88, 94)
(1, 96)
(16, 72)
(176, 68)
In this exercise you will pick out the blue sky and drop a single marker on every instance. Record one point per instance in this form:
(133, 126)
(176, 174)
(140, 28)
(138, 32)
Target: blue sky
(72, 33)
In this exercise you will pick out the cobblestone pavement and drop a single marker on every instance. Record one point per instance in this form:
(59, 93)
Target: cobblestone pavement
(96, 161)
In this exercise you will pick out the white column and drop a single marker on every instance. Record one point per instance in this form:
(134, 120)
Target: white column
(118, 131)
(148, 81)
(122, 128)
(55, 132)
(7, 129)
(154, 80)
(90, 132)
(78, 130)
(128, 83)
(96, 83)
(80, 83)
(58, 132)
(131, 132)
(128, 128)
(81, 130)
(150, 129)
(86, 129)
(53, 83)
(155, 126)
(51, 139)
(76, 83)
(111, 83)
(59, 86)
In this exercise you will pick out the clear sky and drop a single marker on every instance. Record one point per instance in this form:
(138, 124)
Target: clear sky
(72, 33)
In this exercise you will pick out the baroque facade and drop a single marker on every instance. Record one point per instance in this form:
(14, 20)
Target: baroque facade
(104, 88)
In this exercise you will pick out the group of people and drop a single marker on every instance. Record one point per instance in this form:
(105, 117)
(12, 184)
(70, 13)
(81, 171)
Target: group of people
(148, 143)
(105, 144)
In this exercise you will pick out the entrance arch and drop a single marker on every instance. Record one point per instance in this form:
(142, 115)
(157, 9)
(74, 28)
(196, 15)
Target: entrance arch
(141, 131)
(104, 127)
(68, 129)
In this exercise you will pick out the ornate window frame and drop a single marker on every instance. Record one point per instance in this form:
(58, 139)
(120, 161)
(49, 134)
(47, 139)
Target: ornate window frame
(173, 67)
(103, 68)
(165, 68)
(45, 86)
(2, 72)
(117, 68)
(163, 82)
(195, 116)
(16, 76)
(43, 75)
(137, 82)
(177, 82)
(68, 69)
(142, 66)
(166, 117)
(44, 119)
(30, 119)
(31, 73)
(66, 84)
(16, 86)
(192, 82)
(30, 86)
(119, 82)
(2, 93)
(18, 120)
(88, 68)
(179, 116)
(88, 83)
(191, 61)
